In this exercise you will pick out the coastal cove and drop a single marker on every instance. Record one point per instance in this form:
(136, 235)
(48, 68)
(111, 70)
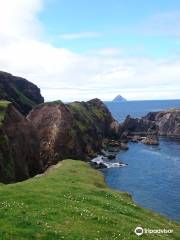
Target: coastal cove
(152, 176)
(48, 188)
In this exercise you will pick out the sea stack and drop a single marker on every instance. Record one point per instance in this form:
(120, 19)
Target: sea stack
(119, 98)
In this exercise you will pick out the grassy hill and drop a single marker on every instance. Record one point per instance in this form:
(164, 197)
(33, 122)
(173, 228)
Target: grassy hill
(72, 202)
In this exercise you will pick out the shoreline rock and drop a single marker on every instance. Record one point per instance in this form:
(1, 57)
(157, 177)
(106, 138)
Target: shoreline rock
(168, 122)
(140, 130)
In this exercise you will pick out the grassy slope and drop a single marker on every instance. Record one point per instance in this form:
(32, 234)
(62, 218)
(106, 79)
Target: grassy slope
(3, 106)
(73, 202)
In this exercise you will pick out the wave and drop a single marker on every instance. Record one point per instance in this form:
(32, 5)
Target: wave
(103, 161)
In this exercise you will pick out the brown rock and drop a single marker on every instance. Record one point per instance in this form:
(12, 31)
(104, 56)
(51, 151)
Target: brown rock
(168, 122)
(73, 130)
(151, 140)
(19, 147)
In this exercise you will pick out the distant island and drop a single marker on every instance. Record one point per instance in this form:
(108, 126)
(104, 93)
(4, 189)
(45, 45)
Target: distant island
(119, 98)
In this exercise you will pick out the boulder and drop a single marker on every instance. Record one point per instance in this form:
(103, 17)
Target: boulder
(124, 146)
(151, 140)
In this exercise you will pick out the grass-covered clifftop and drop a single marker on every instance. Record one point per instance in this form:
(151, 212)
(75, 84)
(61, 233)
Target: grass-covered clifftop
(72, 202)
(22, 93)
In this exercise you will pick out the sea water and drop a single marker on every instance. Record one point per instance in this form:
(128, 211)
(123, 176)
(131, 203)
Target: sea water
(152, 175)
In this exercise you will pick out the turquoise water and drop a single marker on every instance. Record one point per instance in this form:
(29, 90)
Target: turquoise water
(153, 173)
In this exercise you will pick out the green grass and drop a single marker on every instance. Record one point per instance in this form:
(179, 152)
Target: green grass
(85, 118)
(52, 103)
(3, 106)
(72, 202)
(22, 98)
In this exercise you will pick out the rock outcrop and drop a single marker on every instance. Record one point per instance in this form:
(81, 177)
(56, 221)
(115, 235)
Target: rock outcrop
(140, 130)
(154, 124)
(168, 122)
(19, 146)
(73, 130)
(151, 139)
(138, 127)
(22, 93)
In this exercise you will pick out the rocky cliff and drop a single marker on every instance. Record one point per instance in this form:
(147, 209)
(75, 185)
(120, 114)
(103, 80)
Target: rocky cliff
(154, 124)
(22, 93)
(168, 122)
(19, 146)
(73, 130)
(138, 126)
(140, 129)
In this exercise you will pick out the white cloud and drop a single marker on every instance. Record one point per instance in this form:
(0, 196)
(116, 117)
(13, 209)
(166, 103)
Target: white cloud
(108, 52)
(18, 17)
(80, 35)
(63, 74)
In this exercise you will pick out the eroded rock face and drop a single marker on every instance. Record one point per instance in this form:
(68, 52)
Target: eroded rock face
(73, 130)
(168, 122)
(154, 124)
(19, 147)
(140, 130)
(22, 93)
(138, 127)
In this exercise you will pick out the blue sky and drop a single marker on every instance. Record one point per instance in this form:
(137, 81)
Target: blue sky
(117, 24)
(77, 50)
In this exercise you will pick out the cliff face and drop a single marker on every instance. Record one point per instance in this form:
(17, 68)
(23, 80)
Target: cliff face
(19, 146)
(136, 126)
(22, 93)
(164, 123)
(73, 130)
(142, 129)
(168, 122)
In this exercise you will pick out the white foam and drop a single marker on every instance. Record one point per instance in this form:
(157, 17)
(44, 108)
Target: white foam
(101, 159)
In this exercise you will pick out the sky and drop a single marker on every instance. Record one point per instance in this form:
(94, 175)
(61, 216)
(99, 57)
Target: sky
(79, 50)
